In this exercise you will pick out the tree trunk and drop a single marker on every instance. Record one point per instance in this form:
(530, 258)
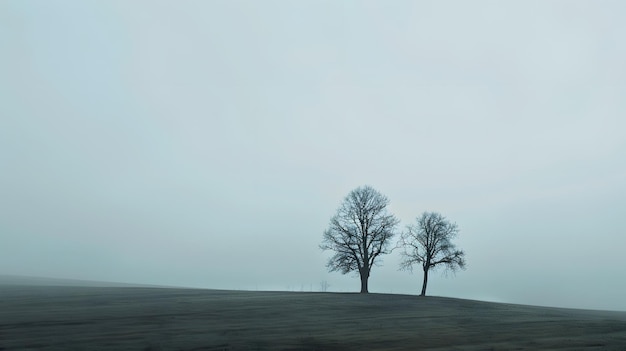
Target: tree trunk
(364, 276)
(425, 282)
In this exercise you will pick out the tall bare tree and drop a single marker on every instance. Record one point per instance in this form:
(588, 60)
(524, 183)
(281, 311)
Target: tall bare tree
(429, 243)
(359, 233)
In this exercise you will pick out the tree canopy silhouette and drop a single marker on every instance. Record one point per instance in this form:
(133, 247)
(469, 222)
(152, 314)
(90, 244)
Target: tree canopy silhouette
(429, 243)
(359, 233)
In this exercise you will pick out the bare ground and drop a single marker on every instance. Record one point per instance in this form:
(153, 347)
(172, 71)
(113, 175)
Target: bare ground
(125, 318)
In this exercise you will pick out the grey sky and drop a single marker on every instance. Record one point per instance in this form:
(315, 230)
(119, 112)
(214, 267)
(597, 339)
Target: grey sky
(208, 143)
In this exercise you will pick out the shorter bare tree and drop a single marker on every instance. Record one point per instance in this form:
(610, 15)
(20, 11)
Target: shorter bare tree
(428, 243)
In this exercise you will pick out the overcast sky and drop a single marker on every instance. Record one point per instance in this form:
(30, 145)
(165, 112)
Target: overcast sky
(208, 143)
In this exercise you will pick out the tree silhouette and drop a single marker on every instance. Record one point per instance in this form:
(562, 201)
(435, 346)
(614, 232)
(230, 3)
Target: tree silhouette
(429, 243)
(359, 233)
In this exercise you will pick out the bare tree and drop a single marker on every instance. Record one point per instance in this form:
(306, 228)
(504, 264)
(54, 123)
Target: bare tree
(359, 233)
(429, 243)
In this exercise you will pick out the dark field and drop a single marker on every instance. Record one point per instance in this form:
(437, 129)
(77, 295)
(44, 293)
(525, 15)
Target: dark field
(99, 318)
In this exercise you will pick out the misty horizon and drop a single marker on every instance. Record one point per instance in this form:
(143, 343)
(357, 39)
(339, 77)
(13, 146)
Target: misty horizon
(208, 144)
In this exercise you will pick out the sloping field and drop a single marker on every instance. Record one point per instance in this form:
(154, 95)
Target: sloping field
(98, 318)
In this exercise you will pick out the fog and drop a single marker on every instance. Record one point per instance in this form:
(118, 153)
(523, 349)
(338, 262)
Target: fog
(208, 143)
